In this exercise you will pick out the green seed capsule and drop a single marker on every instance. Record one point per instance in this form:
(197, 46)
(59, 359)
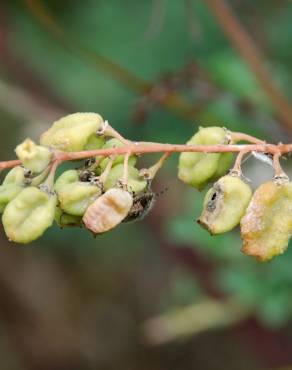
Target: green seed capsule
(33, 157)
(135, 183)
(71, 133)
(11, 187)
(198, 169)
(115, 143)
(29, 215)
(225, 204)
(75, 196)
(267, 225)
(108, 211)
(65, 220)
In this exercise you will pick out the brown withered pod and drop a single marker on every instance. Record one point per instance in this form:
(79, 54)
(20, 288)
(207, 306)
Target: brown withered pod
(267, 224)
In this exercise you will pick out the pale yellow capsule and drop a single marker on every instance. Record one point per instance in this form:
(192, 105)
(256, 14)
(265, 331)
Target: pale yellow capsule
(225, 204)
(73, 132)
(267, 225)
(34, 157)
(108, 210)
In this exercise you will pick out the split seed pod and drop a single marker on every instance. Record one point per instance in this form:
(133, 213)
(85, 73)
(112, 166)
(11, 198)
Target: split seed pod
(72, 133)
(29, 215)
(75, 196)
(136, 183)
(225, 204)
(115, 143)
(267, 224)
(108, 211)
(198, 169)
(34, 157)
(11, 186)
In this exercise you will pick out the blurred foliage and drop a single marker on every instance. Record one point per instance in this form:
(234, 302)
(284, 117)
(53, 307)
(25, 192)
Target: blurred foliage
(132, 272)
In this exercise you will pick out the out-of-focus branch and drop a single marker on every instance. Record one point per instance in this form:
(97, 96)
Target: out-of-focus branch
(171, 101)
(243, 43)
(194, 319)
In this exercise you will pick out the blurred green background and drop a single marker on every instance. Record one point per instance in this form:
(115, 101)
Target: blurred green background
(160, 294)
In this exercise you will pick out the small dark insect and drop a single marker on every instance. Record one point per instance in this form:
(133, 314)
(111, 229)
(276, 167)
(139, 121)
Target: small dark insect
(142, 204)
(86, 175)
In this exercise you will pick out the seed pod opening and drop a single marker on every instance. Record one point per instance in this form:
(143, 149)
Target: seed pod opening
(225, 204)
(29, 215)
(267, 225)
(71, 133)
(34, 157)
(198, 169)
(75, 196)
(108, 210)
(11, 186)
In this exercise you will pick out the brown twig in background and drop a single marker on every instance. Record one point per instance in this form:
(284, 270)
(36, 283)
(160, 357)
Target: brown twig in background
(243, 43)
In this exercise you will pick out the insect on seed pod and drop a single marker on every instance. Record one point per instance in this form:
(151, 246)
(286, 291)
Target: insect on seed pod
(225, 204)
(29, 215)
(198, 169)
(267, 225)
(142, 205)
(108, 210)
(72, 132)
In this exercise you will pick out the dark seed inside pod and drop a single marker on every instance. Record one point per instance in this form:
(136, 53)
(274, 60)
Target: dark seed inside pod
(211, 205)
(142, 204)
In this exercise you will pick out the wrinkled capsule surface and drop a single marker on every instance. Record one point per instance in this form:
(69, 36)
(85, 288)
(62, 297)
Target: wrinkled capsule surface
(197, 169)
(108, 210)
(225, 204)
(115, 143)
(267, 224)
(135, 183)
(75, 196)
(34, 157)
(29, 215)
(71, 133)
(11, 186)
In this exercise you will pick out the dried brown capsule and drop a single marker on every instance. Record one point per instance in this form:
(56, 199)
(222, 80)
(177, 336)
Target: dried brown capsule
(108, 210)
(267, 225)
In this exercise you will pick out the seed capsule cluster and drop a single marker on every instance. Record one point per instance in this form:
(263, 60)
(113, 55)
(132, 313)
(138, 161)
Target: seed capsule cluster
(265, 217)
(107, 190)
(100, 194)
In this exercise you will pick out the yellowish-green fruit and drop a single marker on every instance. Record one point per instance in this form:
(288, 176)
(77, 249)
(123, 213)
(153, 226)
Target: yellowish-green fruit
(267, 225)
(198, 169)
(108, 211)
(71, 133)
(135, 183)
(225, 204)
(115, 143)
(33, 157)
(75, 196)
(11, 186)
(94, 142)
(65, 220)
(29, 215)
